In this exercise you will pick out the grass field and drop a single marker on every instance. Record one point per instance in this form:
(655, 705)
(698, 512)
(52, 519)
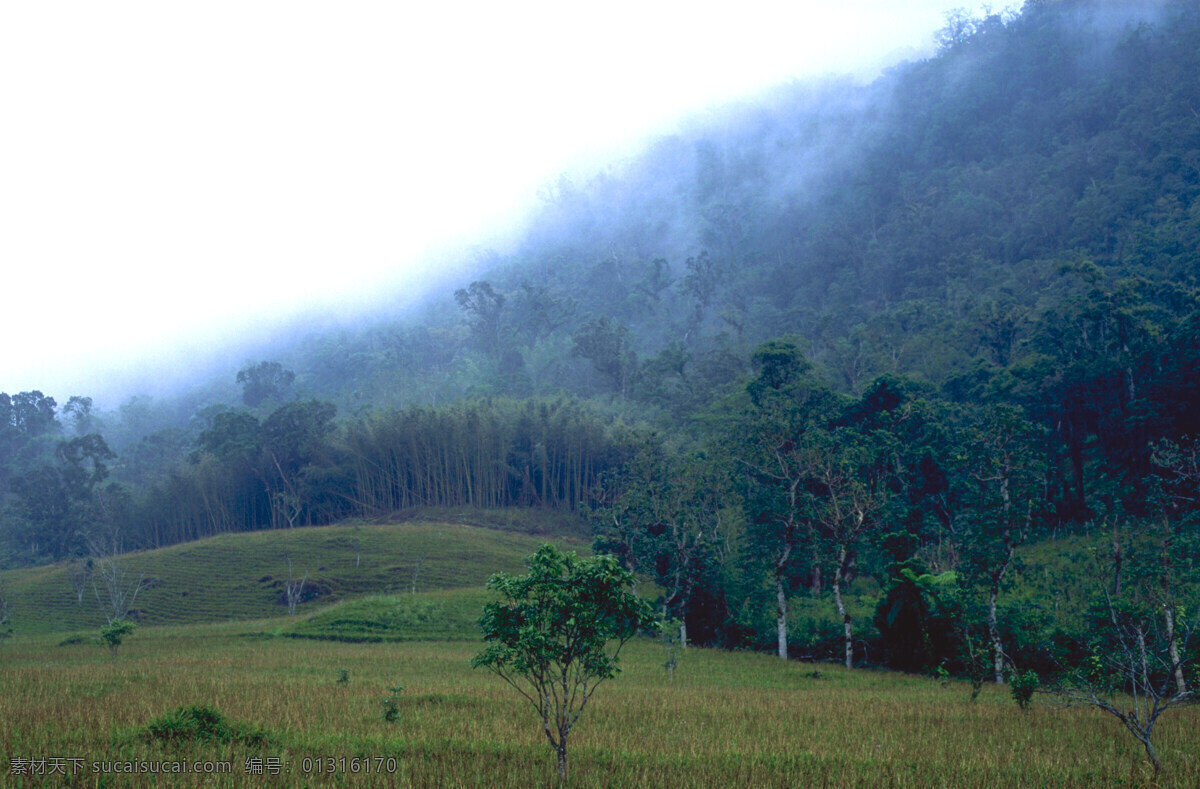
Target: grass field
(727, 719)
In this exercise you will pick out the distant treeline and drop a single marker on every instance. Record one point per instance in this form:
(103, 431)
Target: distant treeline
(297, 466)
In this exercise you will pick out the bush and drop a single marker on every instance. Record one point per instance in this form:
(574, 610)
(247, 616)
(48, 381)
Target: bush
(1022, 684)
(114, 633)
(203, 724)
(391, 704)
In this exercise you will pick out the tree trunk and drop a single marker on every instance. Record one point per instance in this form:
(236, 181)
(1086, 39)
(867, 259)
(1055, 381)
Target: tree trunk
(1164, 580)
(994, 636)
(781, 615)
(838, 575)
(1173, 651)
(1142, 732)
(781, 600)
(562, 760)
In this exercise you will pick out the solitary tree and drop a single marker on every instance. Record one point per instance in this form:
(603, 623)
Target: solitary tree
(80, 572)
(549, 636)
(120, 589)
(114, 634)
(294, 590)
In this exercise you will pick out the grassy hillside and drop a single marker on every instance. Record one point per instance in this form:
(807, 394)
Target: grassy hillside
(243, 576)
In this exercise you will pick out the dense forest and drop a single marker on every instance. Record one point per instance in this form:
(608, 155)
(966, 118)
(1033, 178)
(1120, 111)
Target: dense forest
(840, 348)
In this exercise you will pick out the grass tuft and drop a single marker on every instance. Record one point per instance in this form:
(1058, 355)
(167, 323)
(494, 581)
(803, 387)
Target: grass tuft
(199, 723)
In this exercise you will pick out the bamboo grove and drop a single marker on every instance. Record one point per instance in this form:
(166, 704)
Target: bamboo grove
(297, 466)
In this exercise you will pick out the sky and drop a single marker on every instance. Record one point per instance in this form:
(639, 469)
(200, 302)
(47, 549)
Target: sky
(180, 177)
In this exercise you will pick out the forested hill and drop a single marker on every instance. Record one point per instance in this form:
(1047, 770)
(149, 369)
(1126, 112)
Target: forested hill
(920, 225)
(986, 260)
(945, 222)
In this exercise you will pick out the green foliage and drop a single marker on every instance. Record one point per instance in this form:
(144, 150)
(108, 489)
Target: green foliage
(115, 632)
(203, 725)
(548, 637)
(1022, 684)
(432, 615)
(607, 345)
(919, 616)
(343, 676)
(391, 703)
(483, 308)
(668, 518)
(975, 660)
(264, 381)
(482, 454)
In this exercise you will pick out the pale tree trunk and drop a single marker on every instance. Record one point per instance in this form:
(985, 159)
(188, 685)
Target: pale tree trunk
(997, 579)
(1169, 612)
(994, 636)
(1141, 640)
(993, 619)
(1173, 650)
(781, 601)
(838, 575)
(781, 615)
(679, 597)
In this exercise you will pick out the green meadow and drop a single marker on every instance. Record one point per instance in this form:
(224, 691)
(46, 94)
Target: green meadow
(303, 695)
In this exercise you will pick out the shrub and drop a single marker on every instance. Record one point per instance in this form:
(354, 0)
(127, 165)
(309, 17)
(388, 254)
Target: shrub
(114, 633)
(203, 724)
(391, 704)
(1022, 684)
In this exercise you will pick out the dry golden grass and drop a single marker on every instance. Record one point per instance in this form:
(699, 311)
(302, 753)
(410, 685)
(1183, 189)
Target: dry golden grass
(728, 719)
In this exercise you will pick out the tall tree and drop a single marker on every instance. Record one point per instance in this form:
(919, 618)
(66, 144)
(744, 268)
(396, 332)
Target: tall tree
(849, 496)
(483, 307)
(769, 433)
(264, 381)
(1002, 475)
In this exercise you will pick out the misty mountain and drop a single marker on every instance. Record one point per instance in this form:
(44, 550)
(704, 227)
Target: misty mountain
(1013, 221)
(897, 227)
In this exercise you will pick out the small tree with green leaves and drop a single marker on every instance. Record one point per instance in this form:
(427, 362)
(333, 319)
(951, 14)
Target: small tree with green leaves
(551, 635)
(1022, 684)
(391, 703)
(114, 633)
